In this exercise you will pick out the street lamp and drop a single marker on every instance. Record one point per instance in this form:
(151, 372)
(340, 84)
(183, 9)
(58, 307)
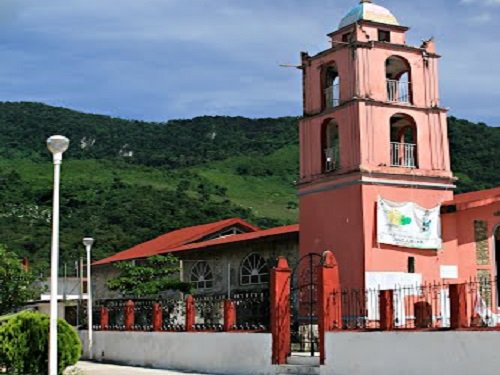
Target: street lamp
(88, 242)
(56, 144)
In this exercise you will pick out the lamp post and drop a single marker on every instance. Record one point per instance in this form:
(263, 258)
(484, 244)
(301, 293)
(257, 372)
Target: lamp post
(87, 242)
(56, 144)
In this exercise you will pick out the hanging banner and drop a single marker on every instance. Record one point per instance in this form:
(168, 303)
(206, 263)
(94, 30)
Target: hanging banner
(406, 224)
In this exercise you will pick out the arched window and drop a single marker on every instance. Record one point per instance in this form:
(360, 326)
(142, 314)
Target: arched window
(202, 276)
(254, 270)
(331, 87)
(403, 141)
(398, 76)
(330, 146)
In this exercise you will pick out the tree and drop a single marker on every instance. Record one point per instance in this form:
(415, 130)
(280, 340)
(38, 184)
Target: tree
(149, 277)
(24, 344)
(16, 283)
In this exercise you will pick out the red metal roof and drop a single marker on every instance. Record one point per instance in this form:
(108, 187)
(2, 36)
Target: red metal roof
(487, 194)
(237, 238)
(175, 239)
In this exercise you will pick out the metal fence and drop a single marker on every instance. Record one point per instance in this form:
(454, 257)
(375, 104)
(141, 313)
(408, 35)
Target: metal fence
(398, 91)
(251, 313)
(252, 310)
(403, 155)
(425, 306)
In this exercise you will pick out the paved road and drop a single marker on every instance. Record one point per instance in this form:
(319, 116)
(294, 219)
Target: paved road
(90, 368)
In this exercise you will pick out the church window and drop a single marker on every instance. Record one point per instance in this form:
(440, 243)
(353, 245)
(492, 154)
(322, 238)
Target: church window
(254, 270)
(347, 37)
(384, 36)
(411, 264)
(201, 275)
(398, 78)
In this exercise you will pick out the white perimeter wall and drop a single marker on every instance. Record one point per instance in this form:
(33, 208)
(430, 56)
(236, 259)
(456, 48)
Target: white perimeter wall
(412, 353)
(217, 353)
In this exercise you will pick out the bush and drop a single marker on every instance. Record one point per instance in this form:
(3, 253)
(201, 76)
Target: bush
(24, 344)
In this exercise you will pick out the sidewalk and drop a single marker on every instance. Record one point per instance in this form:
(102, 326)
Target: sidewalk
(90, 368)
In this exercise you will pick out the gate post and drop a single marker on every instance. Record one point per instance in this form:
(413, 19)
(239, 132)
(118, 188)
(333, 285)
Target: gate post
(458, 306)
(190, 313)
(229, 315)
(329, 307)
(386, 309)
(280, 310)
(157, 317)
(129, 315)
(104, 318)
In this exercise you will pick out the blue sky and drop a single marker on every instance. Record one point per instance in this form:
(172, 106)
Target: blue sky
(164, 59)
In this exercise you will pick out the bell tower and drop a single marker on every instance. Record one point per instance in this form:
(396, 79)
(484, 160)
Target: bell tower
(372, 126)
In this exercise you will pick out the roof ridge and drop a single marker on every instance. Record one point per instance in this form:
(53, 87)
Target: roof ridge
(175, 238)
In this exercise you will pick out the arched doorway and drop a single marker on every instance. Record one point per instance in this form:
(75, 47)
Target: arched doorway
(330, 143)
(398, 76)
(331, 87)
(403, 141)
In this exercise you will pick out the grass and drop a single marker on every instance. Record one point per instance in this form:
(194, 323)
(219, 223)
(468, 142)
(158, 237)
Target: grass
(270, 196)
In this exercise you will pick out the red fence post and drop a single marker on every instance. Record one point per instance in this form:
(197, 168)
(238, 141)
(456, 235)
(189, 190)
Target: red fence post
(190, 313)
(458, 306)
(129, 315)
(280, 310)
(157, 317)
(386, 309)
(104, 318)
(329, 308)
(229, 315)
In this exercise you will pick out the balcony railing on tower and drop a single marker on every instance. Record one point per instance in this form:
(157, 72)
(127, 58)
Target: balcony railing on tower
(403, 155)
(332, 96)
(331, 159)
(398, 92)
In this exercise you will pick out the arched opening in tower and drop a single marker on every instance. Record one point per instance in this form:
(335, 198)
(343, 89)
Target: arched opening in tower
(403, 141)
(330, 146)
(398, 77)
(331, 86)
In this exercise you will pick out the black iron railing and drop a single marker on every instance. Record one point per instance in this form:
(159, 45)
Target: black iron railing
(251, 313)
(426, 306)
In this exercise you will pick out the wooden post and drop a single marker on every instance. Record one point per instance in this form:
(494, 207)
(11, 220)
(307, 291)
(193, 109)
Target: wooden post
(458, 306)
(129, 315)
(329, 306)
(104, 318)
(280, 310)
(190, 313)
(386, 308)
(229, 315)
(157, 317)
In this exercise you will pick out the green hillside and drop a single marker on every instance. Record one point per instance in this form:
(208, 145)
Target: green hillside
(128, 181)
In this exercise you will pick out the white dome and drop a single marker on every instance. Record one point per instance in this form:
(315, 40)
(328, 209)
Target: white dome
(368, 11)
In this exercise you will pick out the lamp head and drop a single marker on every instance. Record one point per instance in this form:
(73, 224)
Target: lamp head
(57, 144)
(88, 241)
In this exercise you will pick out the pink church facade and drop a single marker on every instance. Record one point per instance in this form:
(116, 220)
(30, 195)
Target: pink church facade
(373, 128)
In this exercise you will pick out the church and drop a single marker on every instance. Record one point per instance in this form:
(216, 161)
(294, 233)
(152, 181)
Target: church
(376, 186)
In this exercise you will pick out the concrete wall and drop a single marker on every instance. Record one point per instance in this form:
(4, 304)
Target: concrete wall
(216, 353)
(412, 353)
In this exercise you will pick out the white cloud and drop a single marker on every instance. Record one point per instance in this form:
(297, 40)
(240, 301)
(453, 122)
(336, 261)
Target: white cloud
(160, 59)
(480, 19)
(481, 2)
